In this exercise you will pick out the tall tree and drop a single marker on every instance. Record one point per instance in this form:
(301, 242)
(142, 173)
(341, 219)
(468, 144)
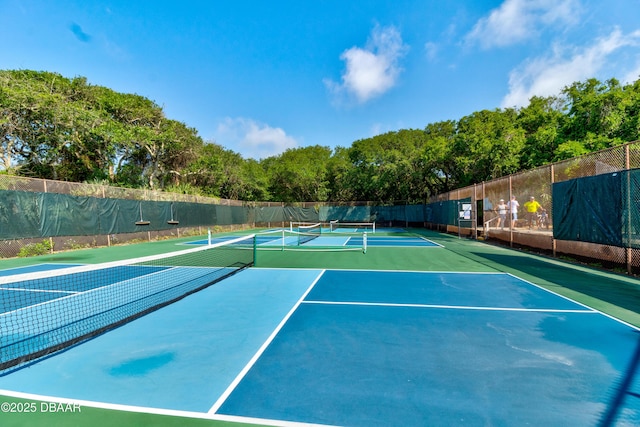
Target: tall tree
(487, 146)
(438, 156)
(60, 128)
(596, 114)
(541, 121)
(388, 167)
(339, 167)
(299, 174)
(630, 128)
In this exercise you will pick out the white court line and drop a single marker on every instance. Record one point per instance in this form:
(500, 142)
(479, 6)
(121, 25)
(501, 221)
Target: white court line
(574, 301)
(38, 290)
(430, 241)
(264, 346)
(40, 265)
(154, 411)
(453, 307)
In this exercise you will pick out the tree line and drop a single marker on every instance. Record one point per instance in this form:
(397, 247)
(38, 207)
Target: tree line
(58, 128)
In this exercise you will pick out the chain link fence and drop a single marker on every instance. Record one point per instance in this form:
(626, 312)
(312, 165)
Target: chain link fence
(11, 247)
(536, 231)
(442, 212)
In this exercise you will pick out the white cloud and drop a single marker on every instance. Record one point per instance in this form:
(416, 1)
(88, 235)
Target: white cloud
(373, 70)
(547, 76)
(519, 20)
(252, 139)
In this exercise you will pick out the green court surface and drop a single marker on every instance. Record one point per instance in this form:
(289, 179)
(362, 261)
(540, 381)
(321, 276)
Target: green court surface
(614, 294)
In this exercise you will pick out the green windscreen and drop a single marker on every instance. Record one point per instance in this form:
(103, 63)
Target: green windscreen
(598, 209)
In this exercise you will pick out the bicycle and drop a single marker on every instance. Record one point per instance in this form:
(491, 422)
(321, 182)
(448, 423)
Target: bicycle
(543, 219)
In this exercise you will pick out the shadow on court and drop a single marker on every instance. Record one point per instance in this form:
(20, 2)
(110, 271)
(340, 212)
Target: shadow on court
(625, 391)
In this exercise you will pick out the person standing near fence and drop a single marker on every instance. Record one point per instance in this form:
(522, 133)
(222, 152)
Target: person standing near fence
(513, 209)
(532, 207)
(502, 213)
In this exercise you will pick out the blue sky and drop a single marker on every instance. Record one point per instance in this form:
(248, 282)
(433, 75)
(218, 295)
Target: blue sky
(259, 77)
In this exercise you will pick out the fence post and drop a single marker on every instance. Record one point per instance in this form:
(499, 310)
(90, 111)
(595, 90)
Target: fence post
(484, 196)
(510, 213)
(553, 240)
(474, 208)
(628, 251)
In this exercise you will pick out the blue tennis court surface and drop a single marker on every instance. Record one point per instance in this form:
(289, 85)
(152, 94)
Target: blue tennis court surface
(393, 241)
(356, 348)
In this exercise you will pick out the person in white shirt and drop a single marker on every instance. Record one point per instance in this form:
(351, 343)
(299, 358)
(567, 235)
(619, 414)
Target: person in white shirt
(502, 213)
(513, 208)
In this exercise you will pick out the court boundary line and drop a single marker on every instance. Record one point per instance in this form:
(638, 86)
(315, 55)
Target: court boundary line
(495, 272)
(3, 288)
(222, 417)
(156, 411)
(575, 302)
(386, 270)
(223, 397)
(41, 264)
(452, 307)
(373, 238)
(412, 236)
(349, 236)
(429, 240)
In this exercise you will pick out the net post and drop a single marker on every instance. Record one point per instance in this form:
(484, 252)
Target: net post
(374, 226)
(364, 242)
(255, 250)
(283, 240)
(209, 236)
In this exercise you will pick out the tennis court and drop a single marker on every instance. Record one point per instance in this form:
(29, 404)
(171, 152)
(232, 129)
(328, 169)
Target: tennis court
(278, 238)
(451, 333)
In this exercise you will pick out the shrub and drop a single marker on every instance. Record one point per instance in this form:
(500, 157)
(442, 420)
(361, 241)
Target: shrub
(35, 249)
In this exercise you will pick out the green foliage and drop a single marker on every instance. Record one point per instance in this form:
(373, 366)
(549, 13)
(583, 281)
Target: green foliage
(389, 167)
(72, 244)
(299, 174)
(59, 128)
(487, 145)
(570, 149)
(35, 249)
(540, 121)
(184, 188)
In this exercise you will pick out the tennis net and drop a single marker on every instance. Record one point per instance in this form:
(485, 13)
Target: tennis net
(41, 313)
(283, 238)
(306, 233)
(337, 226)
(293, 225)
